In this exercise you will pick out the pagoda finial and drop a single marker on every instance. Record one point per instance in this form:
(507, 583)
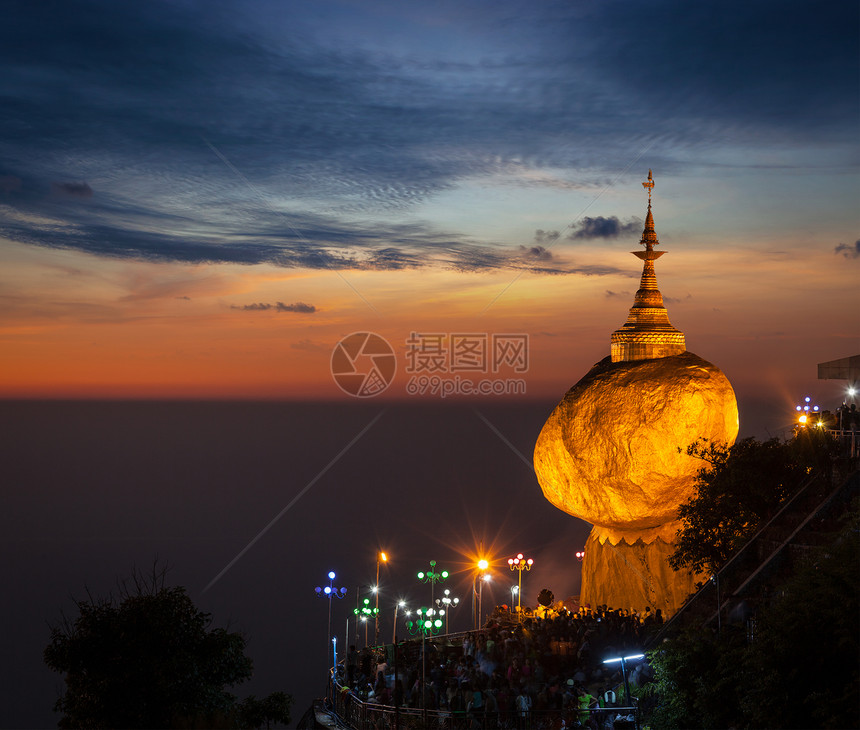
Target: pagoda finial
(649, 185)
(649, 235)
(647, 333)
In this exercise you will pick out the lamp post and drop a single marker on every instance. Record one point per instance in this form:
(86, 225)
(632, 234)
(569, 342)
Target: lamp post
(334, 659)
(330, 592)
(399, 604)
(380, 557)
(364, 612)
(482, 566)
(445, 604)
(520, 564)
(429, 622)
(432, 577)
(485, 578)
(627, 698)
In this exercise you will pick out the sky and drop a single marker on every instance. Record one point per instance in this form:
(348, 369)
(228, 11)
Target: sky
(202, 201)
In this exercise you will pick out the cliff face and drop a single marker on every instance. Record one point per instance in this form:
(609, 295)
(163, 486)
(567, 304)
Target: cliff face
(613, 452)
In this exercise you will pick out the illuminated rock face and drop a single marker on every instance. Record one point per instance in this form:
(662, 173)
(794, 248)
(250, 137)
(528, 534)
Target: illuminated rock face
(609, 452)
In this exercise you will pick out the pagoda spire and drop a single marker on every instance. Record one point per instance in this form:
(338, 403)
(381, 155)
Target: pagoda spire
(647, 333)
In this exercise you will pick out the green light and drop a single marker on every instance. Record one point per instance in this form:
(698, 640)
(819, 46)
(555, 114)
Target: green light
(438, 623)
(428, 624)
(409, 624)
(421, 576)
(444, 573)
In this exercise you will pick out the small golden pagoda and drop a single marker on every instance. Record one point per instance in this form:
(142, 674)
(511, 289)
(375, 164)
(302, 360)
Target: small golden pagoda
(647, 333)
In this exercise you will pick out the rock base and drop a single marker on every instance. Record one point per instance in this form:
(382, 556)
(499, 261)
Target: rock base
(632, 573)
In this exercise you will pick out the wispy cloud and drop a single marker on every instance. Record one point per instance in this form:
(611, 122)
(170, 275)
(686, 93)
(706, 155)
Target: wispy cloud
(299, 307)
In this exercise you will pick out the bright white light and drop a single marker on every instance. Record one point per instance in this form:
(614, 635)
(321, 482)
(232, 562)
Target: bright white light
(618, 659)
(331, 575)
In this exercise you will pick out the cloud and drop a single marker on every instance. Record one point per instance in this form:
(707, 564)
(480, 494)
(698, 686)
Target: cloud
(340, 140)
(73, 189)
(10, 183)
(618, 294)
(299, 307)
(542, 236)
(602, 227)
(537, 253)
(849, 252)
(676, 300)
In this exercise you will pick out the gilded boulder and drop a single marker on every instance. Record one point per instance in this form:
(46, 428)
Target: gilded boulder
(613, 452)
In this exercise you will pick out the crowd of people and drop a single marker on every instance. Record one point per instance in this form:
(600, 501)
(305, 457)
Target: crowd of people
(511, 670)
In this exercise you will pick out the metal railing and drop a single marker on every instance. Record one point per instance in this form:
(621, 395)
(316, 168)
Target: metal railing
(362, 715)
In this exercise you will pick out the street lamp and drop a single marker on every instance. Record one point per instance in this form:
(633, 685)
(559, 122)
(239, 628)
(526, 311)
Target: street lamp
(380, 557)
(431, 577)
(446, 603)
(364, 612)
(580, 554)
(330, 592)
(482, 566)
(399, 604)
(805, 410)
(485, 578)
(624, 660)
(428, 623)
(520, 564)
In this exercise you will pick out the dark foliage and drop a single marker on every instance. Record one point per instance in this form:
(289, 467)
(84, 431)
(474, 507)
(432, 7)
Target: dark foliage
(798, 669)
(151, 660)
(741, 487)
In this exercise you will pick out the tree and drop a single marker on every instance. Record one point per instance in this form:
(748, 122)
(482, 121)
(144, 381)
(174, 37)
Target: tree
(798, 670)
(150, 659)
(741, 487)
(803, 668)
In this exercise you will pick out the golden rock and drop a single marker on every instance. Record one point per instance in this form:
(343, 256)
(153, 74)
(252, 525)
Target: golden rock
(613, 452)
